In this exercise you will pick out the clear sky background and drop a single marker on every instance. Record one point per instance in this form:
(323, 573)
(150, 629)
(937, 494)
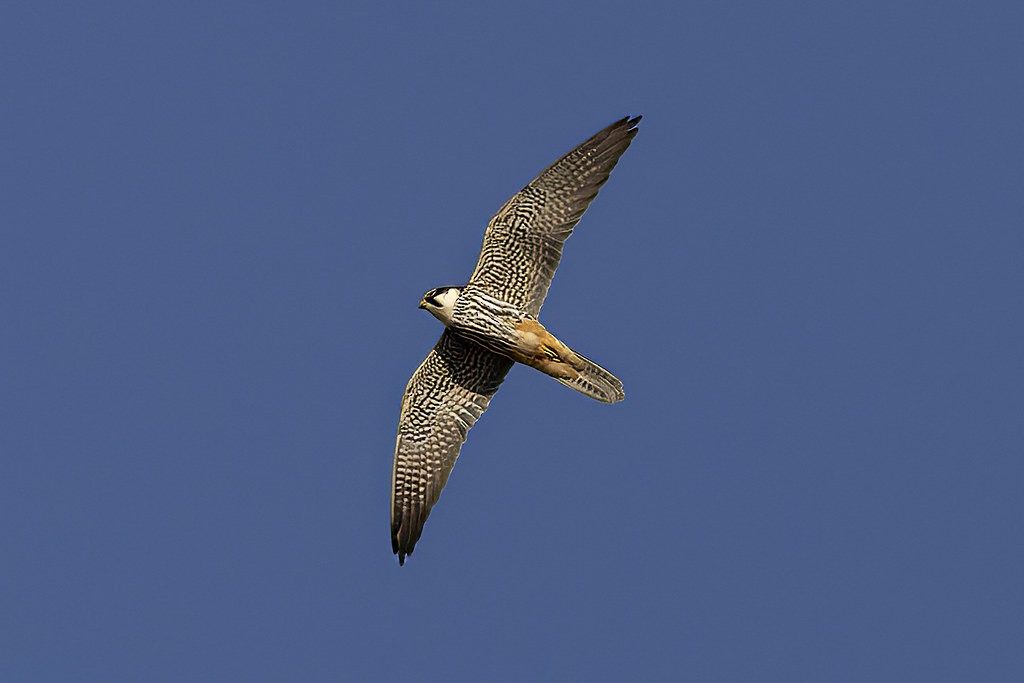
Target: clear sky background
(216, 222)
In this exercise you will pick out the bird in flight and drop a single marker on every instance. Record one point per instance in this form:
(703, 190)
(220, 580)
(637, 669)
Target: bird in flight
(491, 323)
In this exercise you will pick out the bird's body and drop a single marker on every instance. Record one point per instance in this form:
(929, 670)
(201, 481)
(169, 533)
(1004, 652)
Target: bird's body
(492, 322)
(502, 328)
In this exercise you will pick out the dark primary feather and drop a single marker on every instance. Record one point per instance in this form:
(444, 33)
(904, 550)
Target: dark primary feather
(445, 397)
(523, 242)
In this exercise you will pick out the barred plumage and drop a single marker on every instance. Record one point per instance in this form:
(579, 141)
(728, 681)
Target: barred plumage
(492, 322)
(523, 242)
(486, 320)
(445, 396)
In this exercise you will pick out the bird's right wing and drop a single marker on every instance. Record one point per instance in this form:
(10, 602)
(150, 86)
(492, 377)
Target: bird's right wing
(445, 397)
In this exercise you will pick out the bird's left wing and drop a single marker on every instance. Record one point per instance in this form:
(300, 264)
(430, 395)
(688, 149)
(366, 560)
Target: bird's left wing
(523, 242)
(445, 397)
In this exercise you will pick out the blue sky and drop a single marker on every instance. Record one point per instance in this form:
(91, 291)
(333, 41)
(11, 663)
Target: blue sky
(218, 218)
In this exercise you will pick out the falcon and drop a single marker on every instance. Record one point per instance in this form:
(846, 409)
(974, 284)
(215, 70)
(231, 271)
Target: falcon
(491, 323)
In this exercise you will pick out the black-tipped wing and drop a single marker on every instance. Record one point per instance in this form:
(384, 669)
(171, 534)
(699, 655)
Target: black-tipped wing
(446, 395)
(523, 242)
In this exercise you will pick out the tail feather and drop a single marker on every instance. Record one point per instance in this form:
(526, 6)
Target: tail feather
(595, 382)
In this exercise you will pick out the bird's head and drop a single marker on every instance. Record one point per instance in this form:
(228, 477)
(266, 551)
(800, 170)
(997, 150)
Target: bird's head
(441, 302)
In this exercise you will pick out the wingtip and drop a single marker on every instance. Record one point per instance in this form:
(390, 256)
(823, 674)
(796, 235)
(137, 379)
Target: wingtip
(625, 127)
(400, 549)
(397, 549)
(396, 545)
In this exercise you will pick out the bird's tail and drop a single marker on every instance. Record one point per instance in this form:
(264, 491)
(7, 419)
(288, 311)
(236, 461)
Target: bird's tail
(594, 381)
